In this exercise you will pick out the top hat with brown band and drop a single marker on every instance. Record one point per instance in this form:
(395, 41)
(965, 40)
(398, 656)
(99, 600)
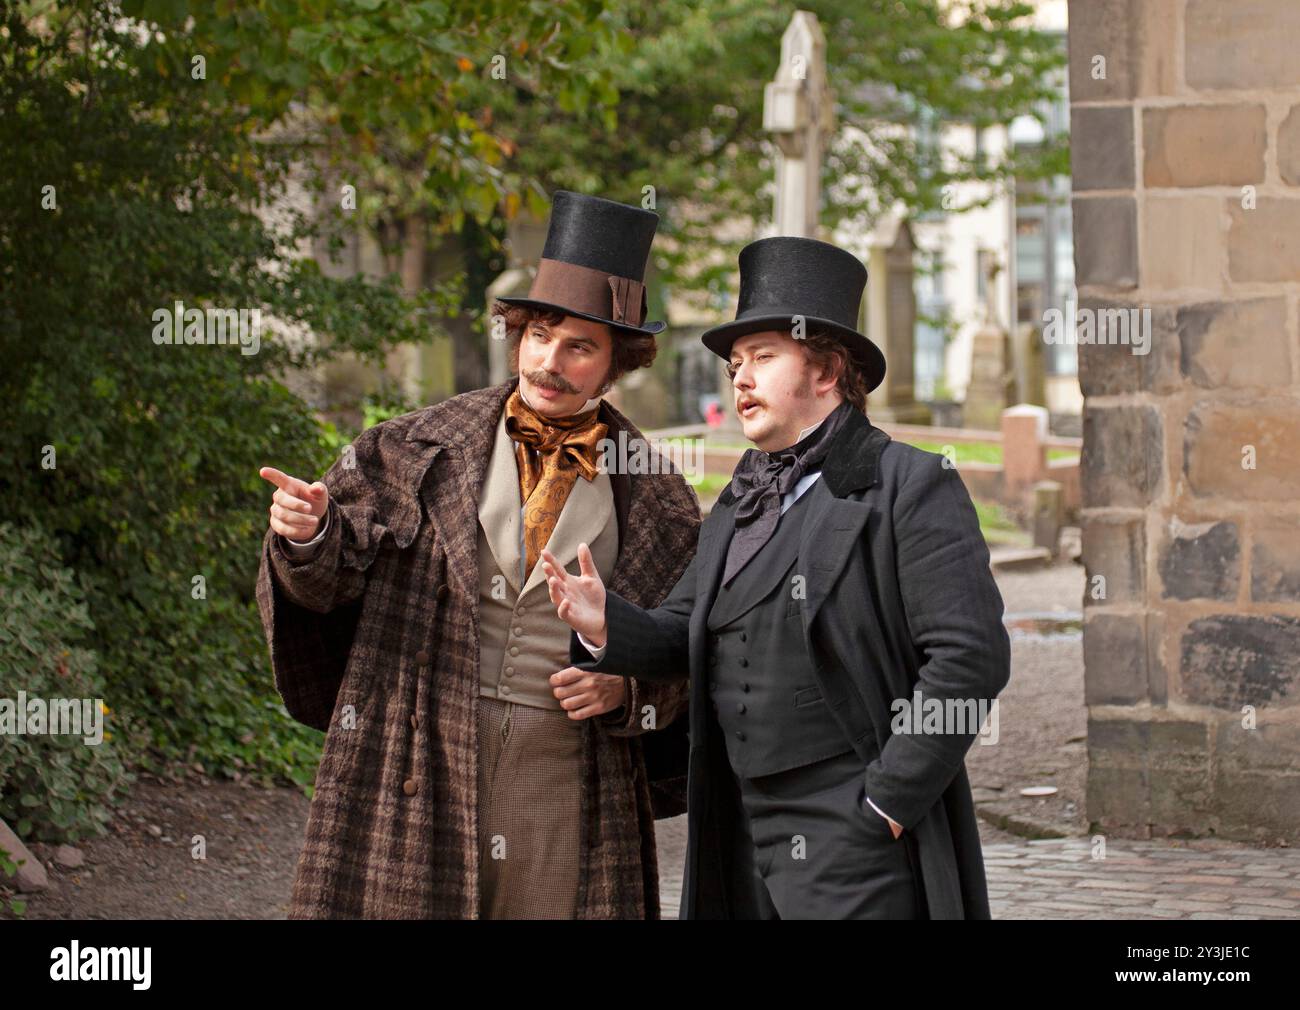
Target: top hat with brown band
(593, 263)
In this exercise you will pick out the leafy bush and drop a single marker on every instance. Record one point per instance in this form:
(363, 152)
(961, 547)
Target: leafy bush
(126, 188)
(52, 787)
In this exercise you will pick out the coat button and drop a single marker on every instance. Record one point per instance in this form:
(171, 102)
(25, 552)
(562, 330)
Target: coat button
(519, 631)
(740, 735)
(713, 659)
(410, 787)
(514, 650)
(744, 661)
(415, 722)
(421, 657)
(742, 637)
(740, 707)
(505, 688)
(745, 688)
(443, 592)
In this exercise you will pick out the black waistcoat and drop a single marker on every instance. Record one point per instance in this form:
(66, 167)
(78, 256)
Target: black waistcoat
(767, 700)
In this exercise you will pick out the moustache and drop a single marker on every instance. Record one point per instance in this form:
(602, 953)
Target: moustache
(548, 381)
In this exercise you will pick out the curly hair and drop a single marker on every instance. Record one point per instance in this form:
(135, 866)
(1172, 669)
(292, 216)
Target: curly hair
(825, 351)
(630, 350)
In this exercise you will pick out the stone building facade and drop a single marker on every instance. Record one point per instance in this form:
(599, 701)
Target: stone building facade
(1185, 133)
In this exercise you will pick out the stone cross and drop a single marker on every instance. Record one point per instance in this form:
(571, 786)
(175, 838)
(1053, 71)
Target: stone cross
(799, 110)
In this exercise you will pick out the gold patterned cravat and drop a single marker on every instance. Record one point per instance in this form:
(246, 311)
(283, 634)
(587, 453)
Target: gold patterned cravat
(551, 452)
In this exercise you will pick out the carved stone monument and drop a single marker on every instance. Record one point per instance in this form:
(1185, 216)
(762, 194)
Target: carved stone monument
(891, 321)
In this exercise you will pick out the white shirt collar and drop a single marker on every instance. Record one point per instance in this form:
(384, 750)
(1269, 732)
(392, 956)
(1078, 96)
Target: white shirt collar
(812, 427)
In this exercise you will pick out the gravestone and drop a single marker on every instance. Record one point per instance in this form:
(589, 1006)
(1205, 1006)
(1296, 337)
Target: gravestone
(992, 386)
(890, 312)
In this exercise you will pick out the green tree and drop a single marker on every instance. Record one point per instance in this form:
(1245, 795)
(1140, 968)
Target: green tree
(124, 191)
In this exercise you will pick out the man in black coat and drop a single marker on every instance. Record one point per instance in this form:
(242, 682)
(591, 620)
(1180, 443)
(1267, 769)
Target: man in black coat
(839, 624)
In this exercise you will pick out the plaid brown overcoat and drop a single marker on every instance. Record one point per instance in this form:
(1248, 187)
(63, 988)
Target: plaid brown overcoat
(379, 632)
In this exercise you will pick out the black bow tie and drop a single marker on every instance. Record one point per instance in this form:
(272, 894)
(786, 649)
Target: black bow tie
(762, 479)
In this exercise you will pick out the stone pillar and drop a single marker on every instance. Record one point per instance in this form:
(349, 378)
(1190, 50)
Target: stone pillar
(1185, 120)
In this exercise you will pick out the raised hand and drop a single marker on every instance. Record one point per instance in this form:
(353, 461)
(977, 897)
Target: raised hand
(579, 599)
(297, 506)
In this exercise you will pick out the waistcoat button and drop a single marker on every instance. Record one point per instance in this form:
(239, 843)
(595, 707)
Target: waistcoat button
(443, 592)
(410, 786)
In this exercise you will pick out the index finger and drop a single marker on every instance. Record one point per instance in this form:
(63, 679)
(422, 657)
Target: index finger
(290, 485)
(557, 570)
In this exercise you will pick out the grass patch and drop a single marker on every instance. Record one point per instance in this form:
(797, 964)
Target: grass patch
(711, 484)
(965, 452)
(985, 452)
(998, 527)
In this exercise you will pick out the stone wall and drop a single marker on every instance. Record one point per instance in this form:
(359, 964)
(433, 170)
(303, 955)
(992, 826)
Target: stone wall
(1185, 133)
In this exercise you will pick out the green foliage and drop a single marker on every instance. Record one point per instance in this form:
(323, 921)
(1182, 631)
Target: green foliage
(141, 460)
(391, 89)
(53, 787)
(9, 868)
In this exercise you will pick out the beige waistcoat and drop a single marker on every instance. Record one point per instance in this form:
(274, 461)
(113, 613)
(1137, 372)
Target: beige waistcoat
(521, 640)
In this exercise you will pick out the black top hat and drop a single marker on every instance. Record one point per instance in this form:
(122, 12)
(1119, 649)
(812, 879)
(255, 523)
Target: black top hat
(783, 277)
(593, 263)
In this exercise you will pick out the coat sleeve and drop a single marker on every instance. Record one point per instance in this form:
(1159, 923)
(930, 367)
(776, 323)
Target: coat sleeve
(665, 700)
(954, 617)
(653, 705)
(658, 678)
(309, 608)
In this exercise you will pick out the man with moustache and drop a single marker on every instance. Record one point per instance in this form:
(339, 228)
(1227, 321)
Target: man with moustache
(840, 574)
(468, 771)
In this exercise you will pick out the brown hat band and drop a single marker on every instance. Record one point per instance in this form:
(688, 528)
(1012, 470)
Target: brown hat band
(592, 292)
